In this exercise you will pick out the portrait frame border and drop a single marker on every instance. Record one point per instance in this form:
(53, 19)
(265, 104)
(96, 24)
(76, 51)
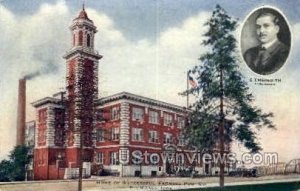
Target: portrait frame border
(240, 39)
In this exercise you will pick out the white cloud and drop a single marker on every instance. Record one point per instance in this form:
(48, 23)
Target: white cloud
(38, 41)
(29, 43)
(156, 69)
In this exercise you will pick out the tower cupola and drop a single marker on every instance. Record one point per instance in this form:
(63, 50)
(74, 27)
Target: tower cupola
(83, 35)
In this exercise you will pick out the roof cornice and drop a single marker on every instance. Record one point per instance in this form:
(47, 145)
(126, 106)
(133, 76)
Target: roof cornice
(45, 101)
(140, 99)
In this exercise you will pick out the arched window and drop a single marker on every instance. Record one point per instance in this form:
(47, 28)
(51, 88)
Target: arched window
(88, 40)
(80, 39)
(73, 39)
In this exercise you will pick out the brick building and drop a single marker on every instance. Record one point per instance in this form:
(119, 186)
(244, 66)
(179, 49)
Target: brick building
(133, 126)
(115, 132)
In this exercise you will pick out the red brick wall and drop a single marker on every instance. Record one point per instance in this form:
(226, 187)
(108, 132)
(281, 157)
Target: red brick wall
(72, 159)
(146, 126)
(41, 128)
(41, 164)
(53, 172)
(46, 163)
(105, 122)
(61, 173)
(107, 152)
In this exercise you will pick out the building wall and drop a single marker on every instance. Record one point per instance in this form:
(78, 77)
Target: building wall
(71, 75)
(132, 170)
(126, 143)
(41, 164)
(111, 115)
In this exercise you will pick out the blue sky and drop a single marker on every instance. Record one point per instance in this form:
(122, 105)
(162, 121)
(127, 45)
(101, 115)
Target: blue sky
(147, 46)
(138, 18)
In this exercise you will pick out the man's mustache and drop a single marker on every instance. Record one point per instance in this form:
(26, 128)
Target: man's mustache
(262, 35)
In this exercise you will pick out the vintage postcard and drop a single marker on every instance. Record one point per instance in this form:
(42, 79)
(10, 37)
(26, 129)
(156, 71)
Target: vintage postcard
(149, 95)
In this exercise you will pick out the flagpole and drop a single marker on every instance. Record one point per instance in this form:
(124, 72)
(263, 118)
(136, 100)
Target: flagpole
(187, 89)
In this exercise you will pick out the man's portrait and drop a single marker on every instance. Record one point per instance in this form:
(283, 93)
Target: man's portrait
(265, 41)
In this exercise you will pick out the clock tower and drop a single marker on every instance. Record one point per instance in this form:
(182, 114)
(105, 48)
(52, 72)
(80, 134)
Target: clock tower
(82, 90)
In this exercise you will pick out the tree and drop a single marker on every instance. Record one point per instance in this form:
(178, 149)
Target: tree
(224, 108)
(14, 169)
(5, 170)
(19, 158)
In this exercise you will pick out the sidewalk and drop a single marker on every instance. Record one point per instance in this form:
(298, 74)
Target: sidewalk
(145, 184)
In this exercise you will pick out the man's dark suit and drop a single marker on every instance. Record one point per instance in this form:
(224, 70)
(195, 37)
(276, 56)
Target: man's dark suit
(267, 61)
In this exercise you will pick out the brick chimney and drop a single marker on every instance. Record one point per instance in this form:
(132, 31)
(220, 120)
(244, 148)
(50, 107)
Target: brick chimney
(21, 115)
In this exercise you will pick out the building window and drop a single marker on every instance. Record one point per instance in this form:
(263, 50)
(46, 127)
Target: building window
(86, 138)
(74, 38)
(153, 117)
(154, 160)
(137, 157)
(180, 122)
(30, 134)
(100, 157)
(181, 140)
(115, 134)
(88, 40)
(42, 127)
(227, 147)
(168, 120)
(115, 114)
(80, 39)
(42, 115)
(180, 159)
(100, 135)
(100, 115)
(137, 134)
(167, 138)
(41, 136)
(59, 136)
(104, 115)
(114, 158)
(137, 113)
(124, 155)
(153, 137)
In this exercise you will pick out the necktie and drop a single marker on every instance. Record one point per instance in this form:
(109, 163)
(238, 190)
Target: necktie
(262, 48)
(260, 58)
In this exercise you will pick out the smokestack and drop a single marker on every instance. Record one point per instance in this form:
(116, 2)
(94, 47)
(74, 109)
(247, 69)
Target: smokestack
(21, 115)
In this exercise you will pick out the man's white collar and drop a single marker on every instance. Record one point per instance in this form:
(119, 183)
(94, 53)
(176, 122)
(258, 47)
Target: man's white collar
(269, 44)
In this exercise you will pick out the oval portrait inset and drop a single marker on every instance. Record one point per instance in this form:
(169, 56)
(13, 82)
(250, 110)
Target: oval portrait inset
(265, 40)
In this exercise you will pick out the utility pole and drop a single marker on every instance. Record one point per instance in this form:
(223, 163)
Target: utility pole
(187, 89)
(80, 162)
(82, 119)
(221, 129)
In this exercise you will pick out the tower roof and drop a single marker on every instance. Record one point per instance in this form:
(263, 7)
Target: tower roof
(83, 15)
